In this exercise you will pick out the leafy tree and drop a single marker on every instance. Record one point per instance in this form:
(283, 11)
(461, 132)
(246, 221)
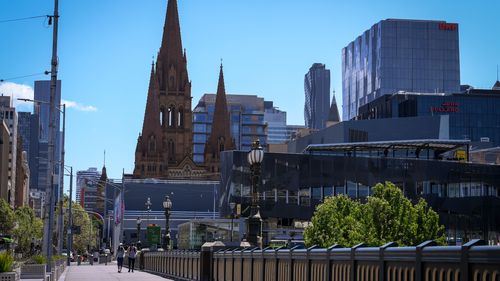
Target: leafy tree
(28, 227)
(82, 220)
(388, 216)
(7, 218)
(337, 221)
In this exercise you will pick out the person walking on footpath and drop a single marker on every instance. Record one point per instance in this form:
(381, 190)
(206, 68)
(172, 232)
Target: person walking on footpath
(120, 254)
(132, 253)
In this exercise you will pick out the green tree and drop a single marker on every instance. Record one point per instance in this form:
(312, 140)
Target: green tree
(337, 221)
(388, 216)
(7, 218)
(28, 227)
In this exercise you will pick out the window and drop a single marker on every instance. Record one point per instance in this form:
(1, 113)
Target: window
(180, 118)
(171, 116)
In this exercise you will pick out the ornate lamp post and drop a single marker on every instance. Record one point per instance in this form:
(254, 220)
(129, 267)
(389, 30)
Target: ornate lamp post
(138, 231)
(232, 205)
(167, 205)
(254, 222)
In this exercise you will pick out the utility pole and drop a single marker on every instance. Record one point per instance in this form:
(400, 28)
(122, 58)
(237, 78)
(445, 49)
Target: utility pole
(53, 84)
(69, 244)
(60, 221)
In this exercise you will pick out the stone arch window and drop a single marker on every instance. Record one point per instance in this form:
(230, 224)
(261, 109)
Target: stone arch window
(180, 118)
(171, 116)
(162, 117)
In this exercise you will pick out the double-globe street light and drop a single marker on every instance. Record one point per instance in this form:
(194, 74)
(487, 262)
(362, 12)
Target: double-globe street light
(167, 205)
(254, 221)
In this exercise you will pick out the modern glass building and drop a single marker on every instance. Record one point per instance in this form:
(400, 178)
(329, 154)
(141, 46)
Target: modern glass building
(317, 96)
(473, 115)
(247, 122)
(466, 195)
(400, 55)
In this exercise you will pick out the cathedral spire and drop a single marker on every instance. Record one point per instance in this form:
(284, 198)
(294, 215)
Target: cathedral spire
(151, 123)
(220, 138)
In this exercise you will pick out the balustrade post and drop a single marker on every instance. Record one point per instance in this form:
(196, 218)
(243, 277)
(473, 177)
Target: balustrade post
(464, 259)
(381, 271)
(419, 276)
(329, 263)
(353, 260)
(308, 262)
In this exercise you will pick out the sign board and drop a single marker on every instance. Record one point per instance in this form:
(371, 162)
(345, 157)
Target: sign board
(461, 155)
(238, 209)
(153, 235)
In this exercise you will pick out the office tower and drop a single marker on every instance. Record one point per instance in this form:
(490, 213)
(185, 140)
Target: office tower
(317, 96)
(399, 55)
(86, 187)
(247, 122)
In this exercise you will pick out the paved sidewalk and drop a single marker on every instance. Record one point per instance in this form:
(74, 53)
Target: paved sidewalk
(106, 272)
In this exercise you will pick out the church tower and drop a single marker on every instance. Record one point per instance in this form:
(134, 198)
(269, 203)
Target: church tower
(220, 138)
(151, 153)
(164, 147)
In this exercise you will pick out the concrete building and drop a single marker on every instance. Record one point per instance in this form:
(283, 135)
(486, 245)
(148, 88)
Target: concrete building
(317, 96)
(6, 191)
(399, 55)
(86, 187)
(9, 115)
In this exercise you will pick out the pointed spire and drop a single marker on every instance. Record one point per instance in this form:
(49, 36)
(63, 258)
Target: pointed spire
(171, 42)
(104, 163)
(152, 113)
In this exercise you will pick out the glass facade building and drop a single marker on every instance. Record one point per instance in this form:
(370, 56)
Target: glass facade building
(466, 195)
(247, 122)
(399, 55)
(317, 96)
(473, 115)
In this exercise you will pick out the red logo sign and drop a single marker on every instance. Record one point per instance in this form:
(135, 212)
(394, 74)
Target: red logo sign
(446, 107)
(448, 26)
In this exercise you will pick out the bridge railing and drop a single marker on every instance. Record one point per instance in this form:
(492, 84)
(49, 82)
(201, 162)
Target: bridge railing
(425, 262)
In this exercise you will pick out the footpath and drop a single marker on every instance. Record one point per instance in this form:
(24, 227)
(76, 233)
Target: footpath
(105, 272)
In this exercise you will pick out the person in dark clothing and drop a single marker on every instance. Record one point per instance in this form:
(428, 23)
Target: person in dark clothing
(132, 253)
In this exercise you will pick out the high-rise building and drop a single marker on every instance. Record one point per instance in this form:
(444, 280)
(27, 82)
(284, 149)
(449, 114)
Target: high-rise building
(317, 96)
(39, 159)
(275, 120)
(9, 115)
(86, 188)
(164, 147)
(399, 55)
(24, 129)
(220, 138)
(247, 122)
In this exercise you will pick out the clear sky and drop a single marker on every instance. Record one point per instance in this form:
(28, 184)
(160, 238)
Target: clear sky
(106, 48)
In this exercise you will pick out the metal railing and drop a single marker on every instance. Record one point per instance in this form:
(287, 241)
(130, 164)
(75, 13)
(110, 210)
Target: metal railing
(471, 262)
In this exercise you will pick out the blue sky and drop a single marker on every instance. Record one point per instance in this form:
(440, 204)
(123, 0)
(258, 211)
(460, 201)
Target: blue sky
(106, 48)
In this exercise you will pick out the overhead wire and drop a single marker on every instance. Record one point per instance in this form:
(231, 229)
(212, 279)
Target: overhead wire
(24, 76)
(26, 18)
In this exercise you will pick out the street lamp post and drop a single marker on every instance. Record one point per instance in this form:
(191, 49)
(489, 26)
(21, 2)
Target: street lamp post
(167, 205)
(138, 230)
(232, 205)
(148, 209)
(254, 222)
(69, 243)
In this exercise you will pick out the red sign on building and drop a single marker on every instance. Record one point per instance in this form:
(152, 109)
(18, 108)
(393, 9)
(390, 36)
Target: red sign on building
(446, 107)
(448, 26)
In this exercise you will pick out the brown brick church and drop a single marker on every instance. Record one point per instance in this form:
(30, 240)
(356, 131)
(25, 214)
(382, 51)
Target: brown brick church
(164, 148)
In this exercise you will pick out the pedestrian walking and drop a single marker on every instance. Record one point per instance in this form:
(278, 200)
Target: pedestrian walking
(132, 253)
(120, 254)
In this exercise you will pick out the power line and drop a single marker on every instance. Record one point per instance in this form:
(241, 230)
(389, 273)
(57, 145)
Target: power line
(24, 76)
(27, 18)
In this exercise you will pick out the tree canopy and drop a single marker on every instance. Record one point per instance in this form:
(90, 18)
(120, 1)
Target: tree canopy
(7, 218)
(28, 227)
(387, 216)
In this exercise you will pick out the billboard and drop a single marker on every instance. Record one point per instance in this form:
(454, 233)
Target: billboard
(119, 207)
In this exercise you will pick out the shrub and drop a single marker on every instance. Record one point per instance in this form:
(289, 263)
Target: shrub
(6, 261)
(39, 259)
